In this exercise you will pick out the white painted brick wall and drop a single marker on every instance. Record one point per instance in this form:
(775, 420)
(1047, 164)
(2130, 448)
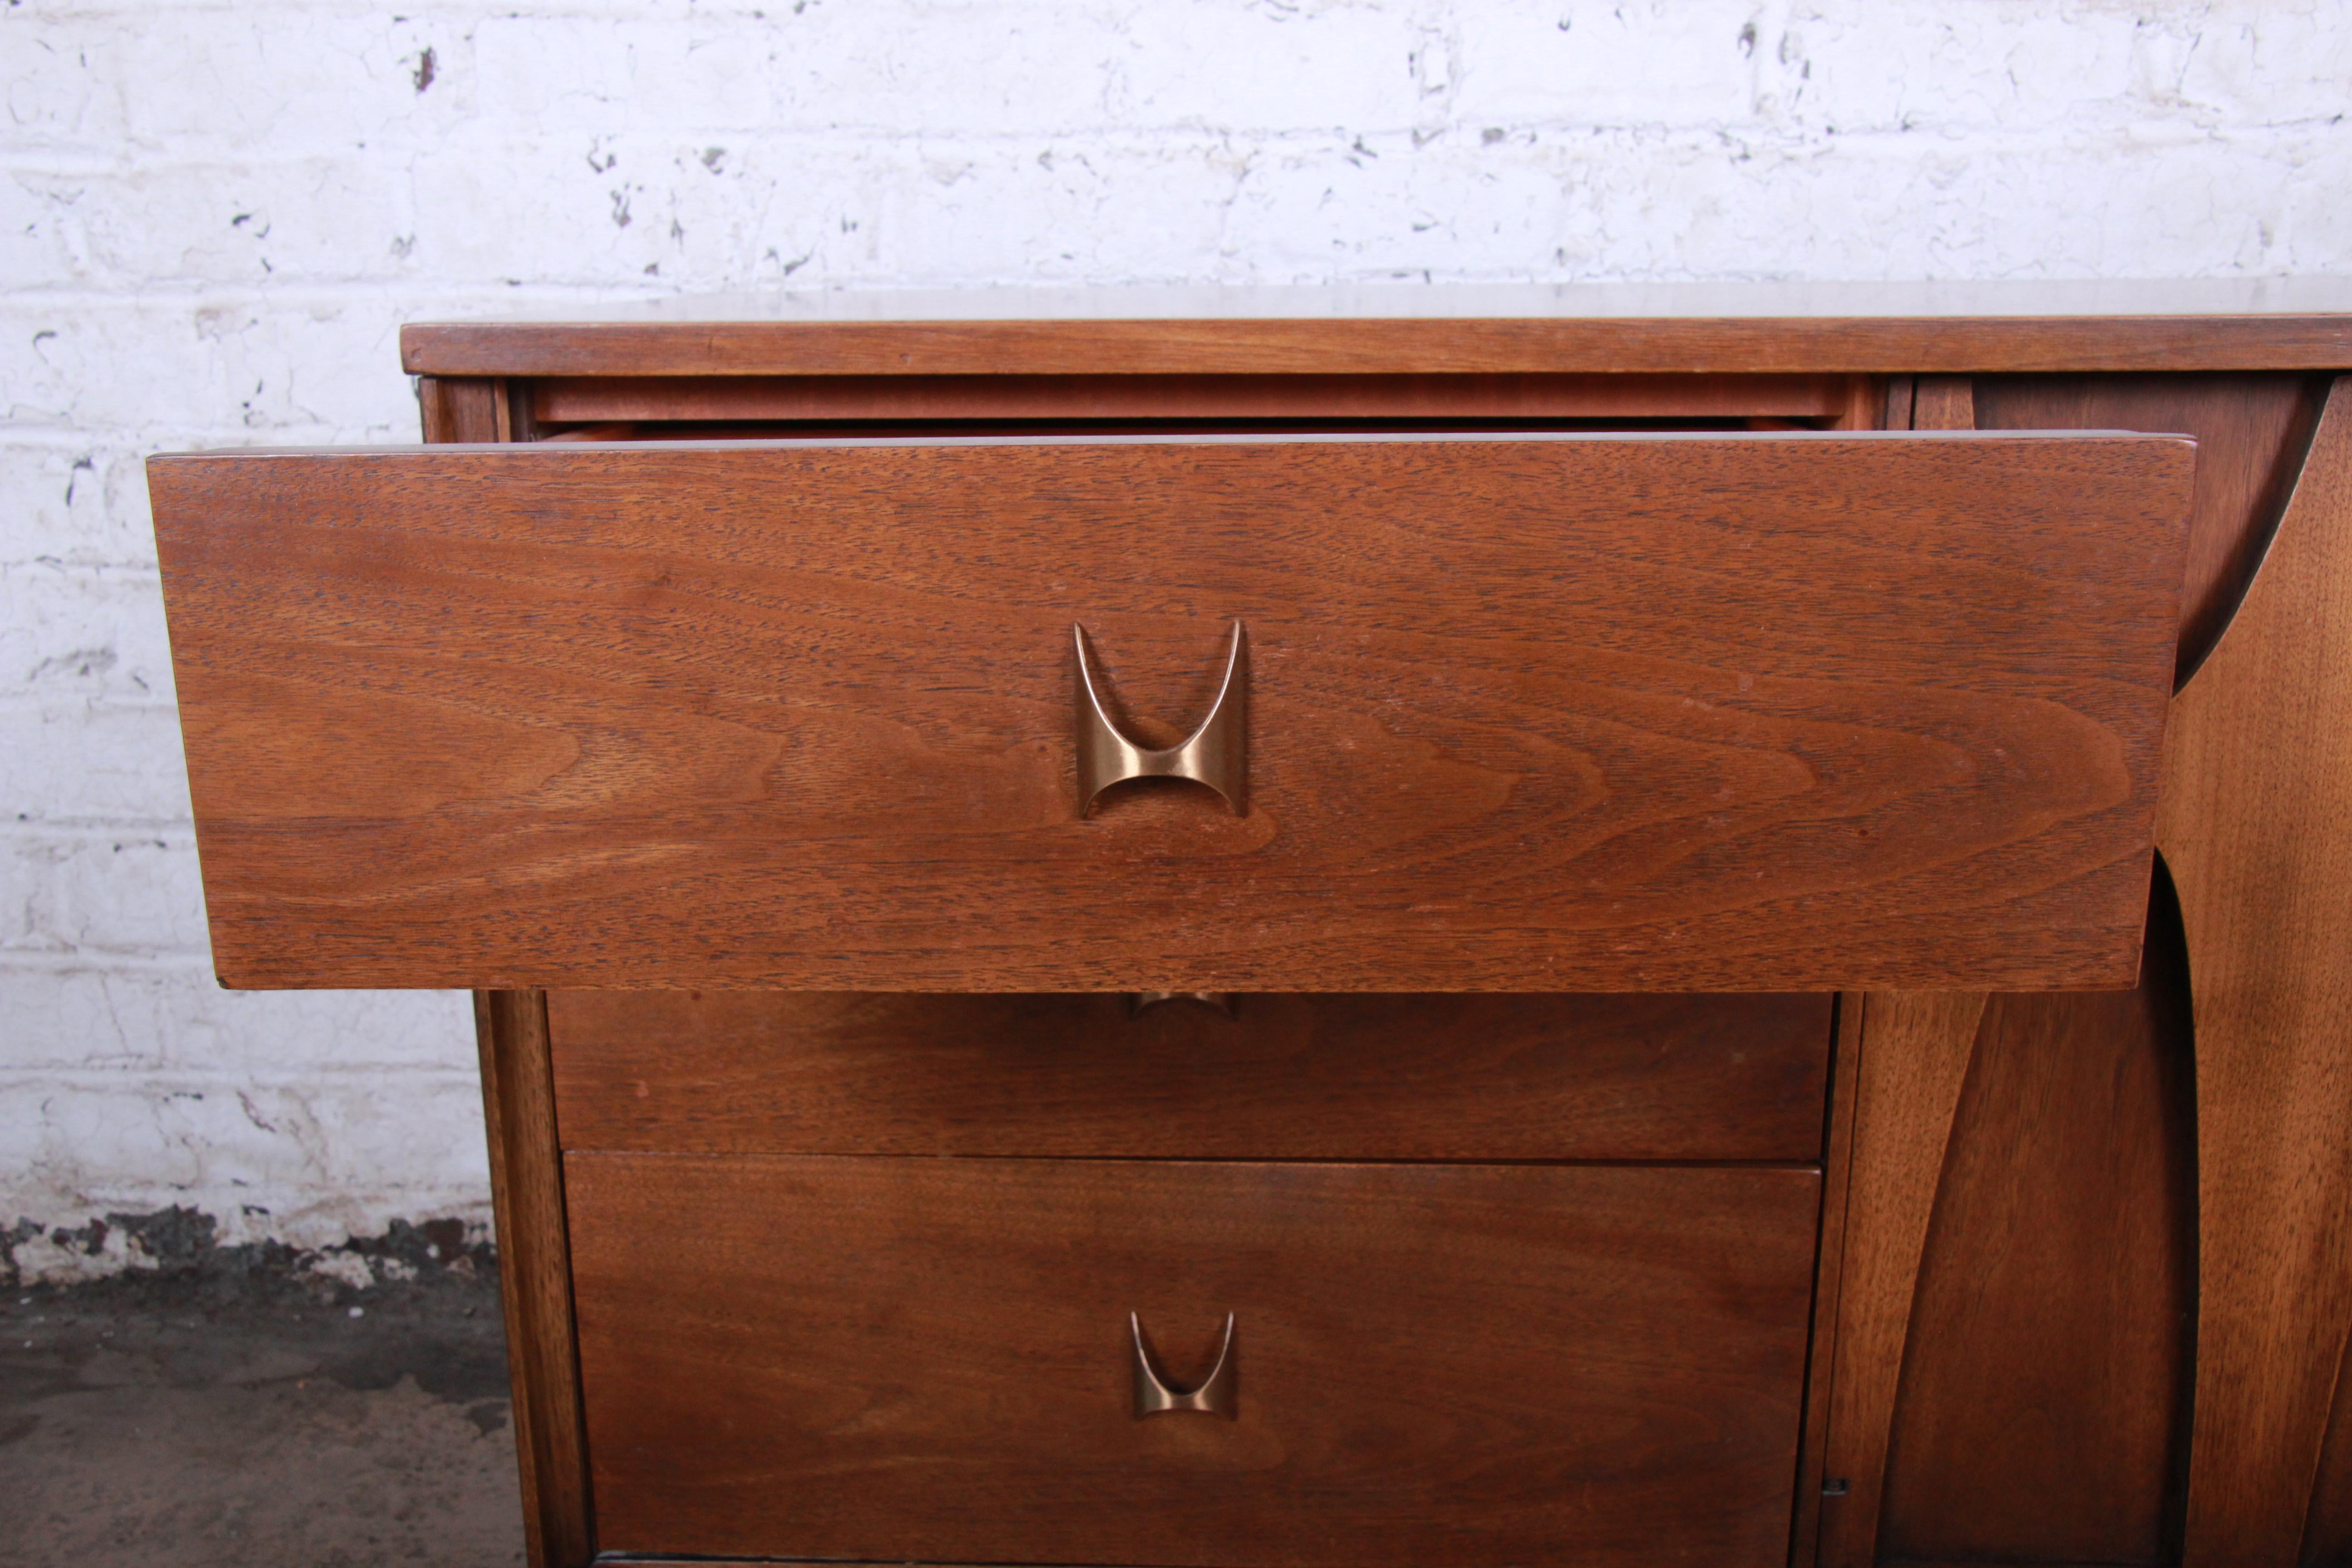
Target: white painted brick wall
(214, 218)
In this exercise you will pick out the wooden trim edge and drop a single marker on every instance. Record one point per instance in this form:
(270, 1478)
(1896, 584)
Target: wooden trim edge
(1385, 345)
(1913, 1060)
(457, 408)
(535, 1275)
(1820, 1357)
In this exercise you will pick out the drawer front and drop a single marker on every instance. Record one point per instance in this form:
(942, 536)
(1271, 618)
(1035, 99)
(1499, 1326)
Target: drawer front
(1285, 1077)
(931, 1359)
(1771, 713)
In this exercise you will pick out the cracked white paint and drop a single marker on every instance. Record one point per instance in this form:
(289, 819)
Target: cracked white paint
(214, 217)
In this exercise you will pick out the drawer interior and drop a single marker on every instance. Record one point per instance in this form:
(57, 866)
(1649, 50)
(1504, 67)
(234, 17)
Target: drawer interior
(897, 1360)
(670, 407)
(1285, 1077)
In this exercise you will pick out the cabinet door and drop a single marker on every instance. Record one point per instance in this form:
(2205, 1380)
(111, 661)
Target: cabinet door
(1767, 712)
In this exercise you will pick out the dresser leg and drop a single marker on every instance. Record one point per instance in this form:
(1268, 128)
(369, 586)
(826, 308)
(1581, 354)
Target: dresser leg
(2256, 822)
(535, 1275)
(1914, 1053)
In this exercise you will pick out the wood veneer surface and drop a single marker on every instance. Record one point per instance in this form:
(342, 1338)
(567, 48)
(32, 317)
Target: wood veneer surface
(1673, 713)
(1496, 1076)
(569, 399)
(926, 1359)
(2258, 786)
(2045, 1404)
(1914, 1060)
(1844, 328)
(2251, 430)
(535, 1275)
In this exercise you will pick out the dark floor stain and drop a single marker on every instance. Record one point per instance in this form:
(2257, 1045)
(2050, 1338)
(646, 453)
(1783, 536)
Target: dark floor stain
(176, 1239)
(461, 1364)
(178, 1244)
(26, 1377)
(228, 1402)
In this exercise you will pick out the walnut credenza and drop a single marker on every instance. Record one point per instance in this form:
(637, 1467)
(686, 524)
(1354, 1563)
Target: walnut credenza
(1438, 926)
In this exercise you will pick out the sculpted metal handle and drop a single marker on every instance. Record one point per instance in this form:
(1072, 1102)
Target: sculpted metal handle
(1214, 1395)
(1217, 753)
(1222, 1001)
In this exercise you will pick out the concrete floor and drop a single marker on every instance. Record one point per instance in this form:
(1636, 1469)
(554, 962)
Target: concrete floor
(212, 1419)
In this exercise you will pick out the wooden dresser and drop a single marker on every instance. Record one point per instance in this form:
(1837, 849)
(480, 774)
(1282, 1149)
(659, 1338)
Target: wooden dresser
(1491, 926)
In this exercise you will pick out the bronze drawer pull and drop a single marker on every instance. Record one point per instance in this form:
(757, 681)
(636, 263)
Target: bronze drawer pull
(1217, 753)
(1220, 1000)
(1213, 1395)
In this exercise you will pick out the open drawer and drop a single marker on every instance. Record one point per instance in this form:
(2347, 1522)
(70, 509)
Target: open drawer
(1525, 712)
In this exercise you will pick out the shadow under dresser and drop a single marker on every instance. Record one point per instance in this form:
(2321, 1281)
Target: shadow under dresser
(1285, 933)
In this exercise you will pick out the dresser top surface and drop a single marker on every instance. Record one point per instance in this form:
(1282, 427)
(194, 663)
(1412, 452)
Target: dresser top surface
(2241, 323)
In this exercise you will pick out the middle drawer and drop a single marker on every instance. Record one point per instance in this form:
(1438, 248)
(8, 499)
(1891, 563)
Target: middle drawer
(1287, 1076)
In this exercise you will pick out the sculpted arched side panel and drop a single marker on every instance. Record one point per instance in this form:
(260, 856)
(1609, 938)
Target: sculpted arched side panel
(1915, 1053)
(2328, 1532)
(2251, 430)
(2256, 823)
(2047, 1370)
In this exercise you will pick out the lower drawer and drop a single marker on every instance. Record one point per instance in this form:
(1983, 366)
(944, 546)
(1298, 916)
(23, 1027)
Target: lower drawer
(908, 1359)
(1287, 1077)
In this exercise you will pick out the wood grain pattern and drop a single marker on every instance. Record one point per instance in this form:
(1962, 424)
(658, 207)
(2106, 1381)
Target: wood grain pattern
(535, 1275)
(1915, 1053)
(2252, 432)
(1899, 394)
(1288, 1076)
(1829, 1279)
(2045, 1401)
(1616, 398)
(1842, 329)
(906, 1359)
(1897, 1111)
(2258, 788)
(2044, 1397)
(504, 425)
(1865, 403)
(1540, 713)
(2328, 1528)
(457, 408)
(1943, 403)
